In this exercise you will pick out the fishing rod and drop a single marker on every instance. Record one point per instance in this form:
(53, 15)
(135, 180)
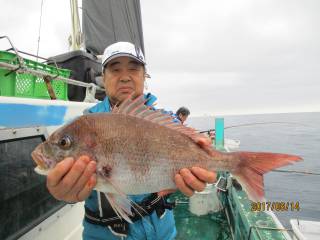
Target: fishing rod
(258, 123)
(251, 124)
(294, 171)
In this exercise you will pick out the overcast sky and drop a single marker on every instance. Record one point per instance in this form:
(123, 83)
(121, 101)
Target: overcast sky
(215, 57)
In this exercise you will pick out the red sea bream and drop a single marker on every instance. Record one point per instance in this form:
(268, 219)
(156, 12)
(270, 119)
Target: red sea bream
(139, 150)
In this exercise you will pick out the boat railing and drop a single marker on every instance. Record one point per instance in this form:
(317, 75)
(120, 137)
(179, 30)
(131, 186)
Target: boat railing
(246, 223)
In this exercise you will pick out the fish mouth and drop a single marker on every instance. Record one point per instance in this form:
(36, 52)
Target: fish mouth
(40, 160)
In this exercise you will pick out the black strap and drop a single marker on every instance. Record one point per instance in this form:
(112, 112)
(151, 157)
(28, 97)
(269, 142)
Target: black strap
(119, 226)
(115, 224)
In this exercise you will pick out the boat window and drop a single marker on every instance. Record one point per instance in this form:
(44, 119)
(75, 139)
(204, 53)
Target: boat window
(24, 198)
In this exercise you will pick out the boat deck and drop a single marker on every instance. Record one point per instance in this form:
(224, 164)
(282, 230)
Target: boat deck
(236, 220)
(212, 226)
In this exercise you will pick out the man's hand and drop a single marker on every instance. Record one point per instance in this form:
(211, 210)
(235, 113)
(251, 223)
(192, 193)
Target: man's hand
(188, 181)
(72, 181)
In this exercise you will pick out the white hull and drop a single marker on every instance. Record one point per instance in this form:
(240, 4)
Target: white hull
(43, 117)
(65, 224)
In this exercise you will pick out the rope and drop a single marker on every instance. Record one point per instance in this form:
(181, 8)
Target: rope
(294, 171)
(113, 26)
(262, 123)
(128, 20)
(251, 124)
(39, 30)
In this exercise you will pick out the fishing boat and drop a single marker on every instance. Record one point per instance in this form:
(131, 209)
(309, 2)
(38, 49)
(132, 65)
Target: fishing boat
(38, 97)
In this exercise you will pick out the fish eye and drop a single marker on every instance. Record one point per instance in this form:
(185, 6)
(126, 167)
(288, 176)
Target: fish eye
(65, 142)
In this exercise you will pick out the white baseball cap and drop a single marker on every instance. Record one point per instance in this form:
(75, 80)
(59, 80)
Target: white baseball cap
(121, 49)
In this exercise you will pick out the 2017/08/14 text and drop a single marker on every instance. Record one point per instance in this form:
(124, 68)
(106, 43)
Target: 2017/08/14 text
(275, 206)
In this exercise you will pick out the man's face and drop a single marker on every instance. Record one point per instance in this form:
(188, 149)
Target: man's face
(122, 77)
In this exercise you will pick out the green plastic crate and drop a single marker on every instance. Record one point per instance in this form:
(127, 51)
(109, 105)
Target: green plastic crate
(29, 85)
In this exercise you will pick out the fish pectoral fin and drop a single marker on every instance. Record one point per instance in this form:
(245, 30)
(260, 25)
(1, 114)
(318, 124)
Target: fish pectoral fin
(121, 205)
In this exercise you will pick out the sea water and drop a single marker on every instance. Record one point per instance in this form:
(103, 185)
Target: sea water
(292, 133)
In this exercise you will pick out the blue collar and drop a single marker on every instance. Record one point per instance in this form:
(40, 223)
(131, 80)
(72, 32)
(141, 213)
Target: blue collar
(104, 106)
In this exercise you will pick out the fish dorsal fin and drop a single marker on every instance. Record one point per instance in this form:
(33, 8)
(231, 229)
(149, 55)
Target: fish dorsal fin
(137, 108)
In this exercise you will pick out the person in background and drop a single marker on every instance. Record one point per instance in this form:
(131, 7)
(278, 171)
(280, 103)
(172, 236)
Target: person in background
(73, 180)
(182, 114)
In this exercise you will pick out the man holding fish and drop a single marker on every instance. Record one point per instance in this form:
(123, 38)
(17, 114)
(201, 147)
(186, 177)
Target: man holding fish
(132, 154)
(73, 180)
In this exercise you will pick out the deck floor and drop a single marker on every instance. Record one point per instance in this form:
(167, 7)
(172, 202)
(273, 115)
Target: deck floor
(189, 226)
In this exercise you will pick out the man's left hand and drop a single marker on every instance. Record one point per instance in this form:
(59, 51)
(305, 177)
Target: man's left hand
(195, 179)
(188, 181)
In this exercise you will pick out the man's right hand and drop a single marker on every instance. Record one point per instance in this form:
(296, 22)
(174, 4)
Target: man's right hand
(72, 181)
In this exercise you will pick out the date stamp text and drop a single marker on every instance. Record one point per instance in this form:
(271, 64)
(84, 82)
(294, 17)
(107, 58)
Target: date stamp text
(275, 206)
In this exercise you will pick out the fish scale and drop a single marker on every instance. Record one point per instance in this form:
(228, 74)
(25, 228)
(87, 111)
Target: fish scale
(140, 151)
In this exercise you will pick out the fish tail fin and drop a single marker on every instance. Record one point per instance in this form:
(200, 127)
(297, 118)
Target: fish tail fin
(253, 165)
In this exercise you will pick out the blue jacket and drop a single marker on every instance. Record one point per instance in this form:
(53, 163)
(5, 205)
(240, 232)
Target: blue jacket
(159, 229)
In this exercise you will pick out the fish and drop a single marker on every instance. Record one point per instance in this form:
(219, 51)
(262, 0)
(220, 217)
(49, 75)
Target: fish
(139, 150)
